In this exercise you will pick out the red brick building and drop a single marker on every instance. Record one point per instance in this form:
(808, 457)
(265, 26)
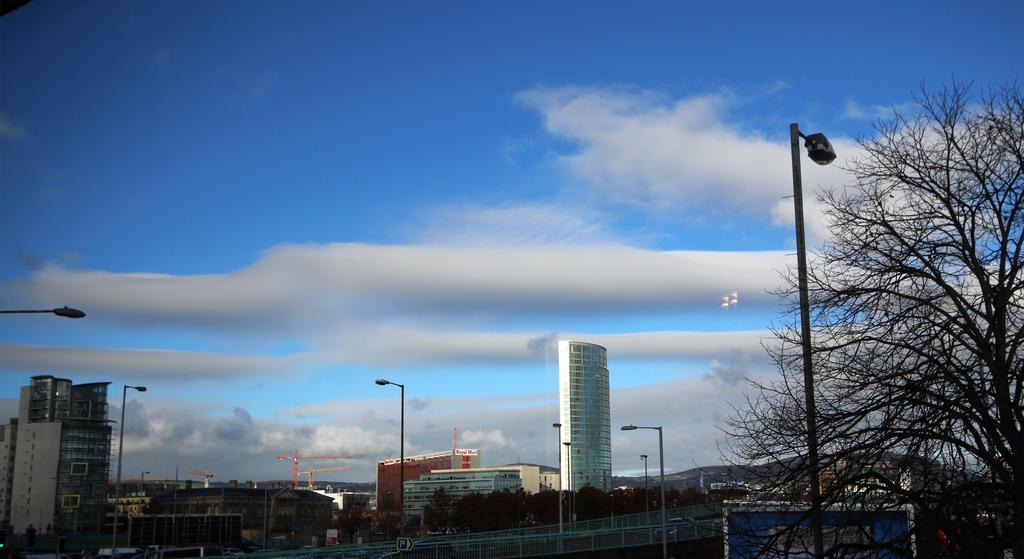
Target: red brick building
(388, 476)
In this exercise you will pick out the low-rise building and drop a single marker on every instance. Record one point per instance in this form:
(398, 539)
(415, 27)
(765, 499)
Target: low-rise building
(389, 471)
(536, 478)
(292, 513)
(458, 483)
(134, 496)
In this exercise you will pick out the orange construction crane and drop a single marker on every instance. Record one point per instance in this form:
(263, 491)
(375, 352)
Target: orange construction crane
(295, 458)
(204, 473)
(312, 471)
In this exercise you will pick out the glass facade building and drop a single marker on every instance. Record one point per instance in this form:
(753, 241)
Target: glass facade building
(585, 412)
(56, 458)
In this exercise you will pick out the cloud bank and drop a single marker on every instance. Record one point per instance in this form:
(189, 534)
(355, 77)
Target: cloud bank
(295, 284)
(506, 428)
(642, 149)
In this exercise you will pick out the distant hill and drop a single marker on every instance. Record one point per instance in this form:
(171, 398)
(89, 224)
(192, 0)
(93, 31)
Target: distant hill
(543, 468)
(685, 479)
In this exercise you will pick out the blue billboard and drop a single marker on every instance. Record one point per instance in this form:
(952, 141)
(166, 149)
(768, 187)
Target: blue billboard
(786, 532)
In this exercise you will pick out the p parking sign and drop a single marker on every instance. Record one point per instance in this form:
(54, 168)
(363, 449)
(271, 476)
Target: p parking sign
(403, 544)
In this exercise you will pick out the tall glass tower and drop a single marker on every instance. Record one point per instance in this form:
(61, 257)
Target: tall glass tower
(585, 415)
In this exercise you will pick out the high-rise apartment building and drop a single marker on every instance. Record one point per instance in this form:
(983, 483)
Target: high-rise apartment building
(584, 401)
(55, 458)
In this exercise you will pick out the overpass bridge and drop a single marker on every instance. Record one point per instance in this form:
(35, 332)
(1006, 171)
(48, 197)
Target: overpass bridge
(640, 534)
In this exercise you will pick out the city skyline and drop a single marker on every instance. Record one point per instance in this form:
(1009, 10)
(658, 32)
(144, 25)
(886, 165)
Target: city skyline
(262, 210)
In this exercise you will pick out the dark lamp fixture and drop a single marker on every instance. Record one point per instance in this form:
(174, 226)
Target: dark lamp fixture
(68, 312)
(819, 149)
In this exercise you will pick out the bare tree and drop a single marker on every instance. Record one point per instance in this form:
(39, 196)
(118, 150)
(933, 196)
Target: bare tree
(916, 306)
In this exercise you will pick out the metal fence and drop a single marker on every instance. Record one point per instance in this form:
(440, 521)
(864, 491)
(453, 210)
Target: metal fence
(80, 541)
(635, 530)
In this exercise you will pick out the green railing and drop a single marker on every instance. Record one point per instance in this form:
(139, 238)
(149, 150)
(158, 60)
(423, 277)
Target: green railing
(634, 530)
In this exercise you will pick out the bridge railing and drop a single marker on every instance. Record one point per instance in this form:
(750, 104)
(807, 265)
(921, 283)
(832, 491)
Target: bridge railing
(700, 521)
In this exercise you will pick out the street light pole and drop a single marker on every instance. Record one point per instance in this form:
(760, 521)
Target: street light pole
(120, 454)
(401, 456)
(820, 151)
(559, 427)
(647, 499)
(661, 459)
(572, 508)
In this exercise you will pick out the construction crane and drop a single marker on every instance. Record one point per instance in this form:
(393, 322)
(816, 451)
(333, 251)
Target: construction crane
(295, 458)
(204, 473)
(312, 471)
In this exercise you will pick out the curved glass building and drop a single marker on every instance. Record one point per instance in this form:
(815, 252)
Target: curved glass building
(585, 415)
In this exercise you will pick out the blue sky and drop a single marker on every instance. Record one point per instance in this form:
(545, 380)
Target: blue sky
(263, 207)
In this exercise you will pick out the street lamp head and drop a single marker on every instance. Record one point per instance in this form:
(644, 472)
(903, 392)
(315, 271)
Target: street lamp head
(140, 388)
(819, 149)
(382, 382)
(567, 443)
(68, 312)
(643, 457)
(629, 427)
(556, 425)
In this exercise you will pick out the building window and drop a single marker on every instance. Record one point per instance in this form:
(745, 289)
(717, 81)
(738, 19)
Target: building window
(79, 468)
(69, 501)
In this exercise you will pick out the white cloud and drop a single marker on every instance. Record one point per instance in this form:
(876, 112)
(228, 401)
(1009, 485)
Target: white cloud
(355, 304)
(514, 225)
(391, 347)
(494, 440)
(642, 149)
(306, 286)
(506, 429)
(816, 226)
(156, 364)
(637, 149)
(852, 110)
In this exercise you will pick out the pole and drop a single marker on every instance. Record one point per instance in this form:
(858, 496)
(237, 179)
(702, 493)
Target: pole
(174, 510)
(266, 490)
(647, 498)
(559, 477)
(401, 467)
(572, 507)
(805, 340)
(664, 518)
(117, 484)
